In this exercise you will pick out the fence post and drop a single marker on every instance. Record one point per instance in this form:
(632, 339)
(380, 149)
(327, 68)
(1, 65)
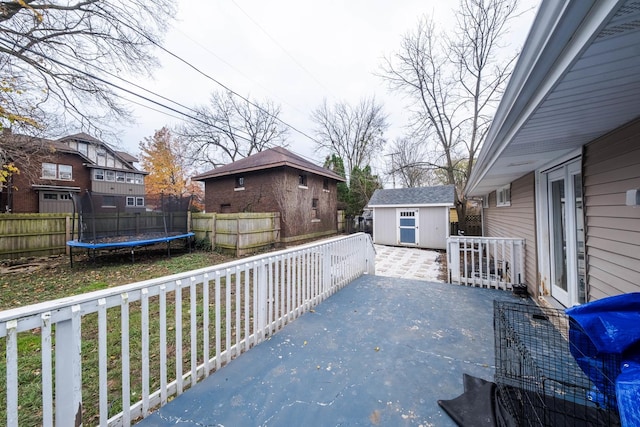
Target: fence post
(68, 370)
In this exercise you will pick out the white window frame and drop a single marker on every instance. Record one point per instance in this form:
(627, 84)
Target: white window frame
(52, 170)
(140, 201)
(120, 176)
(67, 175)
(131, 201)
(98, 174)
(110, 175)
(503, 196)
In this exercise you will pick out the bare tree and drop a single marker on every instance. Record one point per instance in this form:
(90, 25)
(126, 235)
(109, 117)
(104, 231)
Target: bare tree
(354, 133)
(230, 128)
(58, 57)
(408, 163)
(454, 82)
(56, 61)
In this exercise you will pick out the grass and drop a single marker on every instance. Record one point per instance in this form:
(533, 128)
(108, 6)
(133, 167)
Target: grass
(56, 279)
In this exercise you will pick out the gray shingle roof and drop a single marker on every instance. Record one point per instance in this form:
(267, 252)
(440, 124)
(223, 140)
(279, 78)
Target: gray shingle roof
(441, 194)
(267, 159)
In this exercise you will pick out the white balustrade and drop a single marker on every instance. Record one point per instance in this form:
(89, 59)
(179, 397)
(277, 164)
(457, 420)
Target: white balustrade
(190, 325)
(490, 262)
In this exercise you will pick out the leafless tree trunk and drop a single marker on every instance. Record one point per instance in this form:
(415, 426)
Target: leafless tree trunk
(230, 128)
(354, 133)
(454, 82)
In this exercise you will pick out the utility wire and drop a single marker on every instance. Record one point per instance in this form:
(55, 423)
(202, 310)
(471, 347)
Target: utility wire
(229, 89)
(281, 47)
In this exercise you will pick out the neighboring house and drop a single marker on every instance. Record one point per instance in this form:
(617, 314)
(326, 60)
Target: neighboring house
(412, 216)
(561, 163)
(76, 164)
(276, 180)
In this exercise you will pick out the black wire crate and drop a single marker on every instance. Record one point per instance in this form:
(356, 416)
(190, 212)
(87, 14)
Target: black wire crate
(538, 379)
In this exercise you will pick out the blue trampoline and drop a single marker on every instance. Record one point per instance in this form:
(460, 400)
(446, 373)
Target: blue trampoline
(109, 229)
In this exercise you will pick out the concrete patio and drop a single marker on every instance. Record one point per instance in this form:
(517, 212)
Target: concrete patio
(381, 351)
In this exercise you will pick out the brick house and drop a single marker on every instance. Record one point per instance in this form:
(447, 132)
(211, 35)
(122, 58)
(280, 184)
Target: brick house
(277, 180)
(71, 165)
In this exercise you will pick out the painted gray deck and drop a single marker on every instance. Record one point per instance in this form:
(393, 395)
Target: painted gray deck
(381, 351)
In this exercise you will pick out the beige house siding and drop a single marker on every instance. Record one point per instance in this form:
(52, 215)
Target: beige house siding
(517, 220)
(611, 166)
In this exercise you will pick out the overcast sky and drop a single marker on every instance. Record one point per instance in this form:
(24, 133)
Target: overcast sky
(295, 53)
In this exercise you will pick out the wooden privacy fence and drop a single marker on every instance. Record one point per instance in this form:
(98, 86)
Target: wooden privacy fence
(27, 235)
(242, 233)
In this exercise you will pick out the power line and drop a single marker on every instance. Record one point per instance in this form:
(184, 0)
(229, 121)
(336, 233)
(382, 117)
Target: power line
(281, 47)
(229, 89)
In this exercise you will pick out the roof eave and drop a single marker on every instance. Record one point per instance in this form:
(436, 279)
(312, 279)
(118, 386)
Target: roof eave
(560, 33)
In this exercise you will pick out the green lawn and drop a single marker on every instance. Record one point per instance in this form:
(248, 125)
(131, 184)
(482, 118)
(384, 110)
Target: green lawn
(56, 279)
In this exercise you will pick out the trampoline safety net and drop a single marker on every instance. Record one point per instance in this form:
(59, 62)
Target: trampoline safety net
(98, 226)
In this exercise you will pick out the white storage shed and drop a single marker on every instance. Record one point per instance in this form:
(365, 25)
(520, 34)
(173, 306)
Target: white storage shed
(416, 217)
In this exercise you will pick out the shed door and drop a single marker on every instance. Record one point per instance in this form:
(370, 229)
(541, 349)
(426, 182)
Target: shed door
(408, 226)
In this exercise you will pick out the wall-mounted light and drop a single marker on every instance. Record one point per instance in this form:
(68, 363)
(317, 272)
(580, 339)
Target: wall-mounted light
(633, 197)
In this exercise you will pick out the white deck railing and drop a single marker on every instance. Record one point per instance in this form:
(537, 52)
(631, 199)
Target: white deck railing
(133, 347)
(491, 262)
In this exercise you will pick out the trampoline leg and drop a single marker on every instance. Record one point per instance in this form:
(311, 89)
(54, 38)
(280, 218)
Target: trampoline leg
(168, 249)
(71, 256)
(132, 259)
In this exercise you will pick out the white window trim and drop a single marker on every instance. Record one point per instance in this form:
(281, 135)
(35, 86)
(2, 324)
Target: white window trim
(503, 196)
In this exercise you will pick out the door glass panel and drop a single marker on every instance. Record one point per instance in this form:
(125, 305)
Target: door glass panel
(580, 250)
(559, 234)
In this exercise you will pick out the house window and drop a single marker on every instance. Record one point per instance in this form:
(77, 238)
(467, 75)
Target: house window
(503, 196)
(65, 197)
(120, 176)
(110, 175)
(83, 148)
(314, 210)
(108, 201)
(325, 184)
(131, 201)
(140, 201)
(139, 178)
(302, 180)
(49, 170)
(50, 196)
(54, 171)
(239, 183)
(65, 172)
(130, 178)
(98, 174)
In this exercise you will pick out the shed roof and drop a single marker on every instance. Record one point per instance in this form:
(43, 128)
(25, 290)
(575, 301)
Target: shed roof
(417, 196)
(268, 159)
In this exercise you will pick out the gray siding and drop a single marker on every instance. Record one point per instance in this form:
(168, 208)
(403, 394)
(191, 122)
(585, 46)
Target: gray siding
(611, 167)
(385, 223)
(433, 229)
(517, 220)
(119, 188)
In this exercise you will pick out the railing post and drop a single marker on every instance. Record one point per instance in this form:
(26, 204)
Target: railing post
(453, 259)
(262, 298)
(68, 370)
(370, 258)
(326, 270)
